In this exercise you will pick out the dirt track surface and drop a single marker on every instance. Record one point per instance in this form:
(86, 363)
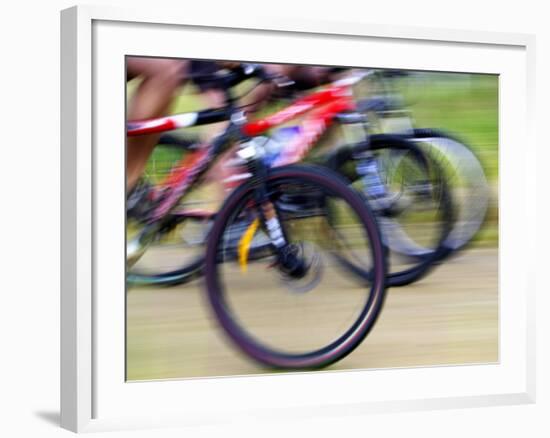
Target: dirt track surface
(450, 317)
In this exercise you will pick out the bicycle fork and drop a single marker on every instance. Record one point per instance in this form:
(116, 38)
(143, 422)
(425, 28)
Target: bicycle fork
(289, 256)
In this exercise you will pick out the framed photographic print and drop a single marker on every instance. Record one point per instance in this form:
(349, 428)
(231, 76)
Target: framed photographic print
(273, 218)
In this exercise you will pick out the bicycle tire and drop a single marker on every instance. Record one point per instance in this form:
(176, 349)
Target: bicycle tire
(245, 341)
(144, 272)
(423, 262)
(453, 149)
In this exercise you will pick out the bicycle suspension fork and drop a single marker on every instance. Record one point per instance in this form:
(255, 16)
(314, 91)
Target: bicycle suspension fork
(289, 257)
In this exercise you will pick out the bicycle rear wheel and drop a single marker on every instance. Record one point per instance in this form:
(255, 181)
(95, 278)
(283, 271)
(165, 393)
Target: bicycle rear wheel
(172, 255)
(312, 319)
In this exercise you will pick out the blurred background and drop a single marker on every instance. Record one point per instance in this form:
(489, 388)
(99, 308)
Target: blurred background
(449, 317)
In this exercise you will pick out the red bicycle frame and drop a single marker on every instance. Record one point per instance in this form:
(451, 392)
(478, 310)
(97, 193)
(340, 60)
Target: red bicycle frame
(322, 105)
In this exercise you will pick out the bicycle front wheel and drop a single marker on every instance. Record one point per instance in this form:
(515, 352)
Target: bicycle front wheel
(409, 194)
(296, 321)
(467, 181)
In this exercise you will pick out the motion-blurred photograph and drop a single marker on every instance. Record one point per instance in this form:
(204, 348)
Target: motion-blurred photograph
(284, 218)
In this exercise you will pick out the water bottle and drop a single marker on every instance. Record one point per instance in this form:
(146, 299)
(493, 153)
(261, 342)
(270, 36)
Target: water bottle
(275, 146)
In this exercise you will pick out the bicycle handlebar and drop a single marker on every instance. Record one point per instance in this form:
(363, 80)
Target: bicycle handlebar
(208, 116)
(234, 76)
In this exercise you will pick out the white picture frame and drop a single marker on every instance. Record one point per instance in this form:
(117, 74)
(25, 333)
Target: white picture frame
(93, 396)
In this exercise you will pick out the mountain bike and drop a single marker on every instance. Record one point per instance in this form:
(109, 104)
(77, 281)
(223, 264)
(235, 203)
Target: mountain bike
(410, 197)
(463, 171)
(331, 105)
(309, 216)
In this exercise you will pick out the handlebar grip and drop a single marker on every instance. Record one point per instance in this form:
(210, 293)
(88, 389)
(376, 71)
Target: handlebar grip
(218, 77)
(244, 72)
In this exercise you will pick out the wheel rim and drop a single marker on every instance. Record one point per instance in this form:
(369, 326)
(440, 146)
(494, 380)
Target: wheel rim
(304, 338)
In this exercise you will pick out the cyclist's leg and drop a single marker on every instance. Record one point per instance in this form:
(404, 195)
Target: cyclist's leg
(161, 79)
